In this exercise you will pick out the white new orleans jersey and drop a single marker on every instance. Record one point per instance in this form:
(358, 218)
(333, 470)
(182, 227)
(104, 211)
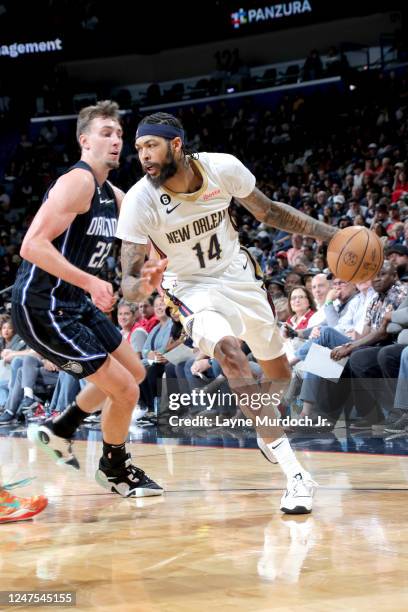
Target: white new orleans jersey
(194, 231)
(215, 285)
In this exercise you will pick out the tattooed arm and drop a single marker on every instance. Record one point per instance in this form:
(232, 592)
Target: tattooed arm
(139, 279)
(285, 217)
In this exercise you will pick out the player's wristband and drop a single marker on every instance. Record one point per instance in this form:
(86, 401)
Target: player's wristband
(329, 303)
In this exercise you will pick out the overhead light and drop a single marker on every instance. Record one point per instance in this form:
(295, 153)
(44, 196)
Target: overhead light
(352, 87)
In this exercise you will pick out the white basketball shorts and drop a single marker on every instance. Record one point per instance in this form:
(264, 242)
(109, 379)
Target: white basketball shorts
(233, 304)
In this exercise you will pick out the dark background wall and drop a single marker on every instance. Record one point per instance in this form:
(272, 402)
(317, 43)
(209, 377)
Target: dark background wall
(254, 50)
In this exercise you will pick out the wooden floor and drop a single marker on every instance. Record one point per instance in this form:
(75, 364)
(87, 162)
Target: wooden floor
(216, 540)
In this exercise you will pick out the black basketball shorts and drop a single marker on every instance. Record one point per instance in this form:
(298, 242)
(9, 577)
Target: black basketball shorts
(78, 339)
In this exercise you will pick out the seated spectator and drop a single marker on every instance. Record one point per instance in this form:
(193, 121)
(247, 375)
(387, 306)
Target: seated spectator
(356, 209)
(400, 184)
(152, 352)
(275, 287)
(281, 308)
(320, 288)
(175, 378)
(381, 217)
(11, 345)
(393, 362)
(381, 232)
(282, 259)
(359, 220)
(256, 250)
(293, 279)
(396, 235)
(295, 250)
(34, 371)
(345, 312)
(398, 256)
(301, 308)
(147, 319)
(362, 351)
(128, 316)
(65, 391)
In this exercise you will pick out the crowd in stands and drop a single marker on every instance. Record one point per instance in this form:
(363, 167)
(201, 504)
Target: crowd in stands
(339, 156)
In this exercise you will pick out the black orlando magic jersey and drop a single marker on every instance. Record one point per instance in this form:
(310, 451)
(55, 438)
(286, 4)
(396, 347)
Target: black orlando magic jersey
(86, 244)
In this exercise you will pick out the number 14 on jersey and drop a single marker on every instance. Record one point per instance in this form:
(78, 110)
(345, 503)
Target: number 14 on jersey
(214, 250)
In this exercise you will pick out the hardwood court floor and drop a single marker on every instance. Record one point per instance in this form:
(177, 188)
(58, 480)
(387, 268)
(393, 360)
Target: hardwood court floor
(216, 540)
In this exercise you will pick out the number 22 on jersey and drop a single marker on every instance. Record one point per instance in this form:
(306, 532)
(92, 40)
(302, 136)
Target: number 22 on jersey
(100, 255)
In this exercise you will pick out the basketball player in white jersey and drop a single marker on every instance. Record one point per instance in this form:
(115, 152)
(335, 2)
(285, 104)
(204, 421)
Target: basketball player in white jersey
(181, 206)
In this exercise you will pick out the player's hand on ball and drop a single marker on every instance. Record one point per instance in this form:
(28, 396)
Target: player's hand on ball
(102, 294)
(152, 274)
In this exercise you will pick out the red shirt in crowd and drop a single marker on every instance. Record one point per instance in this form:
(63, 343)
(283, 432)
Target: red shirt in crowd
(302, 323)
(146, 324)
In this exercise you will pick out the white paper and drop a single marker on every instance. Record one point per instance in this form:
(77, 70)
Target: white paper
(318, 362)
(179, 354)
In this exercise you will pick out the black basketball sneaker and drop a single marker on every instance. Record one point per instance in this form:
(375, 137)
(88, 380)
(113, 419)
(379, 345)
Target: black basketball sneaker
(59, 449)
(126, 479)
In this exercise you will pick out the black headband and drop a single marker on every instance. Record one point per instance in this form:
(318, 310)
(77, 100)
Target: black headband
(159, 129)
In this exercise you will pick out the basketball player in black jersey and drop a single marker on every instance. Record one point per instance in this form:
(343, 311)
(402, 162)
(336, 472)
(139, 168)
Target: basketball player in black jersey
(65, 247)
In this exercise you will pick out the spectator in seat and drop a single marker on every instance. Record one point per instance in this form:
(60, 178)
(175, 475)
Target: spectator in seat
(316, 394)
(147, 319)
(11, 345)
(128, 315)
(33, 371)
(301, 308)
(320, 288)
(296, 249)
(398, 256)
(153, 349)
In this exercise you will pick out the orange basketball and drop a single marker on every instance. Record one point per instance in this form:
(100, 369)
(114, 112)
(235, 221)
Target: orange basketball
(355, 254)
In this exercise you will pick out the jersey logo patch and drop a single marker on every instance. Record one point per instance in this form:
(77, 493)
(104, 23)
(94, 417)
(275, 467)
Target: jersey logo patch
(72, 366)
(170, 210)
(165, 199)
(104, 200)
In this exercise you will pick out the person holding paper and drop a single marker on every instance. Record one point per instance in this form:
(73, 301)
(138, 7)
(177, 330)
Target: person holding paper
(390, 294)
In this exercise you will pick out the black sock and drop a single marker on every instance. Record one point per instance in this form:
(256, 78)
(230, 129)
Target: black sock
(68, 422)
(114, 453)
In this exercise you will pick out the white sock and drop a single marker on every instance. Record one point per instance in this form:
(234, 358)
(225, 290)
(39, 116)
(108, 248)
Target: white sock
(285, 456)
(28, 392)
(264, 447)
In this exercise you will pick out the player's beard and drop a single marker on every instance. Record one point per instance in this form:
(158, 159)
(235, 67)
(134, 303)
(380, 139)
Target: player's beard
(167, 169)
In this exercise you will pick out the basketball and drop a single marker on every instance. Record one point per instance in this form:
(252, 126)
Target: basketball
(355, 254)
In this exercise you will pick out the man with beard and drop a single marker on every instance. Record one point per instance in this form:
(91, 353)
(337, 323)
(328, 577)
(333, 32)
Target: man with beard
(181, 206)
(63, 251)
